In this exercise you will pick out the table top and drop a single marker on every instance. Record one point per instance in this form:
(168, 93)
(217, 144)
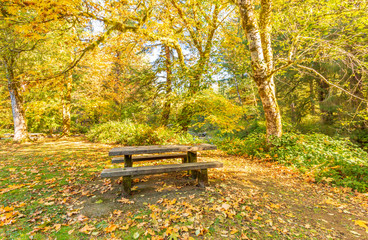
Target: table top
(159, 149)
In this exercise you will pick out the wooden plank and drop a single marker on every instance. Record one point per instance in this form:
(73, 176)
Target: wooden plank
(159, 149)
(150, 157)
(150, 170)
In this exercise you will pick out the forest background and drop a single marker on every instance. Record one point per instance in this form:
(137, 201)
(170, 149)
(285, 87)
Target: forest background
(280, 80)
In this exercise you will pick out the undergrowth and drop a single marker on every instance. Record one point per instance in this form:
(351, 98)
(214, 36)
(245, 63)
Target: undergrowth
(332, 160)
(132, 134)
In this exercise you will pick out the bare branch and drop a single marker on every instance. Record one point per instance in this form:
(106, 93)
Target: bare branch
(330, 83)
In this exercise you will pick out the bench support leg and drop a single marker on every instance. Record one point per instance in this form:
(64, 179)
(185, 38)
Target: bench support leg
(202, 178)
(192, 157)
(185, 159)
(127, 180)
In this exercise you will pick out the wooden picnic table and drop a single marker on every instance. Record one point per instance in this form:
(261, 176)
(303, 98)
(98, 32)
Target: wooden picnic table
(188, 154)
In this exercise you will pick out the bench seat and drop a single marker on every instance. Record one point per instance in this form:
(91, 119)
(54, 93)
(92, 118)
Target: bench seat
(157, 169)
(150, 157)
(199, 171)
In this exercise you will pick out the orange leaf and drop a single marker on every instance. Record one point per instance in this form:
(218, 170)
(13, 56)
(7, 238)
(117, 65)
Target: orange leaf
(86, 229)
(112, 227)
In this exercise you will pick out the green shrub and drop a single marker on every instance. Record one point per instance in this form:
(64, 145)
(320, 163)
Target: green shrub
(332, 160)
(5, 131)
(133, 134)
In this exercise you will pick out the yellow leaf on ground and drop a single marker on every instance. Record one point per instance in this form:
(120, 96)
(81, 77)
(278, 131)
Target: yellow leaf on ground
(361, 223)
(233, 231)
(126, 227)
(57, 226)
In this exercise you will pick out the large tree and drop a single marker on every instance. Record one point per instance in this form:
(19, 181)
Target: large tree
(307, 32)
(258, 34)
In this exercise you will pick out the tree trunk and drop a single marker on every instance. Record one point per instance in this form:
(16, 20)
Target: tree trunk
(19, 118)
(67, 99)
(237, 91)
(259, 39)
(204, 47)
(324, 105)
(356, 86)
(311, 96)
(167, 105)
(267, 93)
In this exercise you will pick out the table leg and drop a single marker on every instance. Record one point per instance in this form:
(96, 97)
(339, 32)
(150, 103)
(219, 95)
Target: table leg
(202, 178)
(127, 180)
(192, 157)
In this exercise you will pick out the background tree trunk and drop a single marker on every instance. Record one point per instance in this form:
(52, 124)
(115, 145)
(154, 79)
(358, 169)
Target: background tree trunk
(311, 96)
(67, 99)
(19, 117)
(323, 94)
(167, 105)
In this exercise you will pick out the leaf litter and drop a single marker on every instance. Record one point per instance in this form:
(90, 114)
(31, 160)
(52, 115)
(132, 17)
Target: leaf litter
(50, 189)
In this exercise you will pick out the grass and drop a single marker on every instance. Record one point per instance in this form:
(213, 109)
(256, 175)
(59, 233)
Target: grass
(51, 190)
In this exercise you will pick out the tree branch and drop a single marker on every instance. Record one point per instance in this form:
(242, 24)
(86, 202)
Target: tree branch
(191, 32)
(330, 83)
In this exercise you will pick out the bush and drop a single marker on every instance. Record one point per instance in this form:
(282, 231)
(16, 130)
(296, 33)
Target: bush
(327, 159)
(132, 134)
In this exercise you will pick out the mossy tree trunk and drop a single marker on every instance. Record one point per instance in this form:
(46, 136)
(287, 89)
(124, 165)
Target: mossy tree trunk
(259, 39)
(19, 116)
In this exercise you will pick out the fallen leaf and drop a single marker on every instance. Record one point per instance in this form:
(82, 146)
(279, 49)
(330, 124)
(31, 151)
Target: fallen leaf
(225, 206)
(233, 231)
(57, 227)
(136, 235)
(87, 229)
(361, 223)
(112, 227)
(126, 201)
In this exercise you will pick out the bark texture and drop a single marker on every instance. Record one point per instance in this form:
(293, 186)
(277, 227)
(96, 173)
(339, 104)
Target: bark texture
(19, 117)
(259, 39)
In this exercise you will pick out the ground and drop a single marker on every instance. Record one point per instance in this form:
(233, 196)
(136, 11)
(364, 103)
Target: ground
(51, 189)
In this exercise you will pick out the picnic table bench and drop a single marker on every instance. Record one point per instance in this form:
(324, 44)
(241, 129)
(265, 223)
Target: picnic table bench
(188, 154)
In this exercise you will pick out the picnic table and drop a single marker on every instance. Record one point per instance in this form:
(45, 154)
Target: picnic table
(188, 154)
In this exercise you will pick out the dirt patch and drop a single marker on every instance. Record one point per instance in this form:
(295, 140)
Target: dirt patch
(145, 190)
